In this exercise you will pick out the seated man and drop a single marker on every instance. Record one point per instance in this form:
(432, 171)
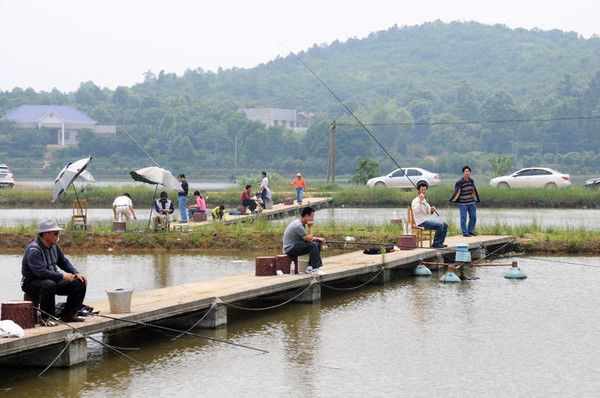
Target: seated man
(298, 240)
(42, 279)
(163, 207)
(421, 211)
(246, 198)
(123, 208)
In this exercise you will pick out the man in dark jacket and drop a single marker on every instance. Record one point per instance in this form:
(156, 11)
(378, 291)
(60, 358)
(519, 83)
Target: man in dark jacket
(43, 280)
(466, 195)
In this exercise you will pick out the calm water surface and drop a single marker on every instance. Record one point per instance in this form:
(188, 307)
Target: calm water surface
(490, 337)
(573, 218)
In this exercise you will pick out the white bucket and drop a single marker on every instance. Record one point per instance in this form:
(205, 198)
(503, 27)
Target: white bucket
(119, 301)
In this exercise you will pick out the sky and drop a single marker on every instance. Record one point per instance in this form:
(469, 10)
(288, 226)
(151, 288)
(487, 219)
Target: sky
(61, 43)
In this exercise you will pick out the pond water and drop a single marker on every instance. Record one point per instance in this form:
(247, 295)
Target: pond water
(202, 185)
(573, 218)
(413, 337)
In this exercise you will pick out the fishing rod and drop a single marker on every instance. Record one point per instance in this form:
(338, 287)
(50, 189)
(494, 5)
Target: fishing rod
(141, 147)
(345, 242)
(355, 117)
(168, 329)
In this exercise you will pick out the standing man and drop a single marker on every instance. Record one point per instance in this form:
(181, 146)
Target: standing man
(466, 195)
(300, 185)
(123, 208)
(43, 280)
(264, 187)
(298, 240)
(163, 207)
(421, 212)
(182, 198)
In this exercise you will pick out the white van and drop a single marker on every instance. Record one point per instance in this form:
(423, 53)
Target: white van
(6, 177)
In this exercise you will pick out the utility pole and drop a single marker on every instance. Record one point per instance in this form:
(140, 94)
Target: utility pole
(331, 156)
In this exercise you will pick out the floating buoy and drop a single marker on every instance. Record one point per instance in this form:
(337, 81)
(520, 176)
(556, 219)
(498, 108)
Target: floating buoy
(462, 253)
(450, 276)
(421, 270)
(515, 272)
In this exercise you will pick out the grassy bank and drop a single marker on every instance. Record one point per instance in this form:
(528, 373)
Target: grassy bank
(572, 197)
(262, 238)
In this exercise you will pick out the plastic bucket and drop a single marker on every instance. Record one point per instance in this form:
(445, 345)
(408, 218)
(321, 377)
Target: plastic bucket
(119, 301)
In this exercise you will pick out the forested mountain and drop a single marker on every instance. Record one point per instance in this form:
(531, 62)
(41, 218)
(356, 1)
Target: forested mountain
(433, 72)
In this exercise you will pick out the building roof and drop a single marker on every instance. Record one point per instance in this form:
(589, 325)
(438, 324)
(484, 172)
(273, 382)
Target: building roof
(36, 112)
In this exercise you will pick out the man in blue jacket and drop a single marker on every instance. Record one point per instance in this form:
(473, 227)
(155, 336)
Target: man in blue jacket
(43, 280)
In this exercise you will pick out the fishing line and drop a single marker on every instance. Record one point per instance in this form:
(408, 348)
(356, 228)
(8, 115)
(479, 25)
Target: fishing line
(562, 262)
(110, 347)
(141, 147)
(149, 325)
(354, 116)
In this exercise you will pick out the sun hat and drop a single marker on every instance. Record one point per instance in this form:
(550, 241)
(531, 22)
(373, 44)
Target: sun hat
(48, 226)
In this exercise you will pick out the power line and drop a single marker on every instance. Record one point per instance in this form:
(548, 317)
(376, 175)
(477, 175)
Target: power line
(464, 122)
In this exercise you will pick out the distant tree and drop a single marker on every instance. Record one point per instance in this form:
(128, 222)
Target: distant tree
(500, 165)
(367, 168)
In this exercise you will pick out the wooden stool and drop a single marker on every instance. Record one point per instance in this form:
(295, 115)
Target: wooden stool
(199, 217)
(283, 263)
(265, 266)
(20, 312)
(119, 226)
(407, 242)
(288, 201)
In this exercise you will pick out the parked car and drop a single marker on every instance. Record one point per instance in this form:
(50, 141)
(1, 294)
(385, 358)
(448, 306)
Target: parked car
(532, 177)
(399, 178)
(6, 177)
(592, 183)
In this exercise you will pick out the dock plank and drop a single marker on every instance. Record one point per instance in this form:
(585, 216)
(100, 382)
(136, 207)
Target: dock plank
(153, 305)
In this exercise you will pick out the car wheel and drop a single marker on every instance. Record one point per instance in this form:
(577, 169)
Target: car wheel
(380, 184)
(503, 185)
(550, 185)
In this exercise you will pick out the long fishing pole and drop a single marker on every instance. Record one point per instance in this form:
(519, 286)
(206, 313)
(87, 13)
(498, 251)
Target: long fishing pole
(149, 325)
(354, 116)
(358, 243)
(141, 147)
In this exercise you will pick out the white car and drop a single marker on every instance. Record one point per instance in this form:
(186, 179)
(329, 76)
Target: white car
(399, 178)
(532, 177)
(6, 177)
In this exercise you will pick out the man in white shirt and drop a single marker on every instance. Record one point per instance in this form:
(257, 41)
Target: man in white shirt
(264, 189)
(123, 208)
(421, 212)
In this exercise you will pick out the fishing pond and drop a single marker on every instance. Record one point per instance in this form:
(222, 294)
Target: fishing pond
(414, 337)
(559, 218)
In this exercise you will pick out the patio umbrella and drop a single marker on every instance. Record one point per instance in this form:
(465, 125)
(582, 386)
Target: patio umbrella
(67, 175)
(156, 175)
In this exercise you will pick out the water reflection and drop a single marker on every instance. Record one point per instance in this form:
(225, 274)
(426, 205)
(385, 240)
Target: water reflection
(412, 337)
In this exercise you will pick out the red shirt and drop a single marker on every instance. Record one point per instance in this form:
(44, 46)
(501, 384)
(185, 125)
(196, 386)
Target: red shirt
(245, 195)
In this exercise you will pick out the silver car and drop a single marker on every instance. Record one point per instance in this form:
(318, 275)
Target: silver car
(6, 177)
(532, 177)
(401, 178)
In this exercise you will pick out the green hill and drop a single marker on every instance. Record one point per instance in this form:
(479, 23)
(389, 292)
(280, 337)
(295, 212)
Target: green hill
(426, 73)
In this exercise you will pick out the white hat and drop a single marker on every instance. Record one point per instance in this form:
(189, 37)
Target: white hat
(48, 226)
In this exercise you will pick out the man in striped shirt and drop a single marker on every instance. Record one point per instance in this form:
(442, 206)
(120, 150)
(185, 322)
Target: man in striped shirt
(466, 195)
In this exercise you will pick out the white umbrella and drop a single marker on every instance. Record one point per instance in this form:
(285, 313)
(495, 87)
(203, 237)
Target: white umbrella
(156, 175)
(87, 176)
(67, 175)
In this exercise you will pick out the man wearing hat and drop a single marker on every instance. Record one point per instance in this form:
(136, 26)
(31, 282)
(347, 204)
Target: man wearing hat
(43, 280)
(300, 185)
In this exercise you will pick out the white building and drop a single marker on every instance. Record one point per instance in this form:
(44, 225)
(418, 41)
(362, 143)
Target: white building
(64, 122)
(287, 118)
